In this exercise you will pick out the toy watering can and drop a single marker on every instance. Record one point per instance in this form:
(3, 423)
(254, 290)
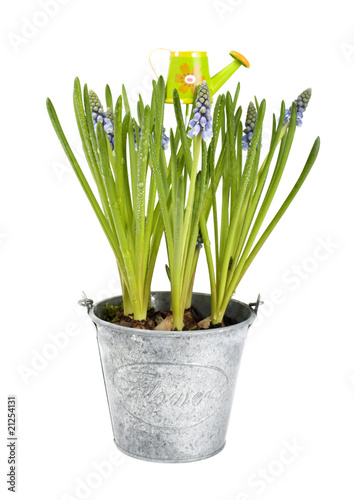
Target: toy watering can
(189, 69)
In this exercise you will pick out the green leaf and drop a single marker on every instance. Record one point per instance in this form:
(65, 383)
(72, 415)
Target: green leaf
(140, 110)
(118, 154)
(178, 216)
(198, 209)
(90, 142)
(124, 167)
(168, 272)
(237, 93)
(159, 118)
(160, 177)
(125, 100)
(257, 104)
(132, 159)
(306, 170)
(141, 189)
(89, 145)
(217, 120)
(105, 166)
(81, 177)
(232, 147)
(186, 142)
(235, 215)
(83, 128)
(109, 100)
(262, 175)
(174, 174)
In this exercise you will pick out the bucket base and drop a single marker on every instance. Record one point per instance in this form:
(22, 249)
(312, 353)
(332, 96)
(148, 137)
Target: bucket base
(167, 461)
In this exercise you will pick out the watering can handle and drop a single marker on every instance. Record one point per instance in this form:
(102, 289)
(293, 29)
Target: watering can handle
(160, 48)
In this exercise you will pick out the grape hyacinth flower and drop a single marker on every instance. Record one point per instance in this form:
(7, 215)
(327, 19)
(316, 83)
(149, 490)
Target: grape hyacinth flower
(202, 119)
(165, 140)
(301, 105)
(250, 124)
(99, 115)
(135, 141)
(109, 126)
(199, 241)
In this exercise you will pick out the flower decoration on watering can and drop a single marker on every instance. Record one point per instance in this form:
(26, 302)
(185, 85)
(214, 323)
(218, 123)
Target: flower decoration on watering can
(189, 78)
(187, 70)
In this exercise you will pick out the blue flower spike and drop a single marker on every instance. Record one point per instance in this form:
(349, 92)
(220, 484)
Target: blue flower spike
(99, 115)
(108, 127)
(165, 139)
(199, 241)
(301, 104)
(202, 118)
(250, 124)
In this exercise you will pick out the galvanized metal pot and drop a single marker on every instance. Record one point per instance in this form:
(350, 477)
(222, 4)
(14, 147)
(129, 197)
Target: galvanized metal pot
(170, 393)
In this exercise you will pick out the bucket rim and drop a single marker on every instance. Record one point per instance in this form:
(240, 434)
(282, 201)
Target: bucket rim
(163, 333)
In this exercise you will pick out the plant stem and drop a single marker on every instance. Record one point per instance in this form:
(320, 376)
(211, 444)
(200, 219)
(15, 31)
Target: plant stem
(187, 115)
(206, 241)
(190, 202)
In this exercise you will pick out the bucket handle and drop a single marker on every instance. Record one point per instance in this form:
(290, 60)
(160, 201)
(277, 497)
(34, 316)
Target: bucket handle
(86, 302)
(255, 305)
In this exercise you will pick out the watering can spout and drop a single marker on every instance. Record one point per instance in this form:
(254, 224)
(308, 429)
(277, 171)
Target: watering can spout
(220, 78)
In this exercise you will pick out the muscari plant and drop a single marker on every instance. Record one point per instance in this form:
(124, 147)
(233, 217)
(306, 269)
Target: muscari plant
(182, 196)
(144, 193)
(243, 208)
(126, 206)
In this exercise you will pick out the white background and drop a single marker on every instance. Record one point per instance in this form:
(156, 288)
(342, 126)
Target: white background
(296, 383)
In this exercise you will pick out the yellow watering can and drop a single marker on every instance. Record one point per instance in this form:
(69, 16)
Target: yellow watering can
(189, 69)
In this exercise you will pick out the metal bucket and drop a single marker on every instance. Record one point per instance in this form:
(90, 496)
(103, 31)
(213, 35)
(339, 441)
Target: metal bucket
(170, 393)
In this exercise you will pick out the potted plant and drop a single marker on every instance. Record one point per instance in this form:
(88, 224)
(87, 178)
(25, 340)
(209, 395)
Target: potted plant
(170, 359)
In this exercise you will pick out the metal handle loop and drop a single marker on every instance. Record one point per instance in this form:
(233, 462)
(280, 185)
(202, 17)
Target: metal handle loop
(86, 302)
(255, 305)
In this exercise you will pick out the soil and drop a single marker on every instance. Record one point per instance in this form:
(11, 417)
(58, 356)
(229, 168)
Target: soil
(162, 320)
